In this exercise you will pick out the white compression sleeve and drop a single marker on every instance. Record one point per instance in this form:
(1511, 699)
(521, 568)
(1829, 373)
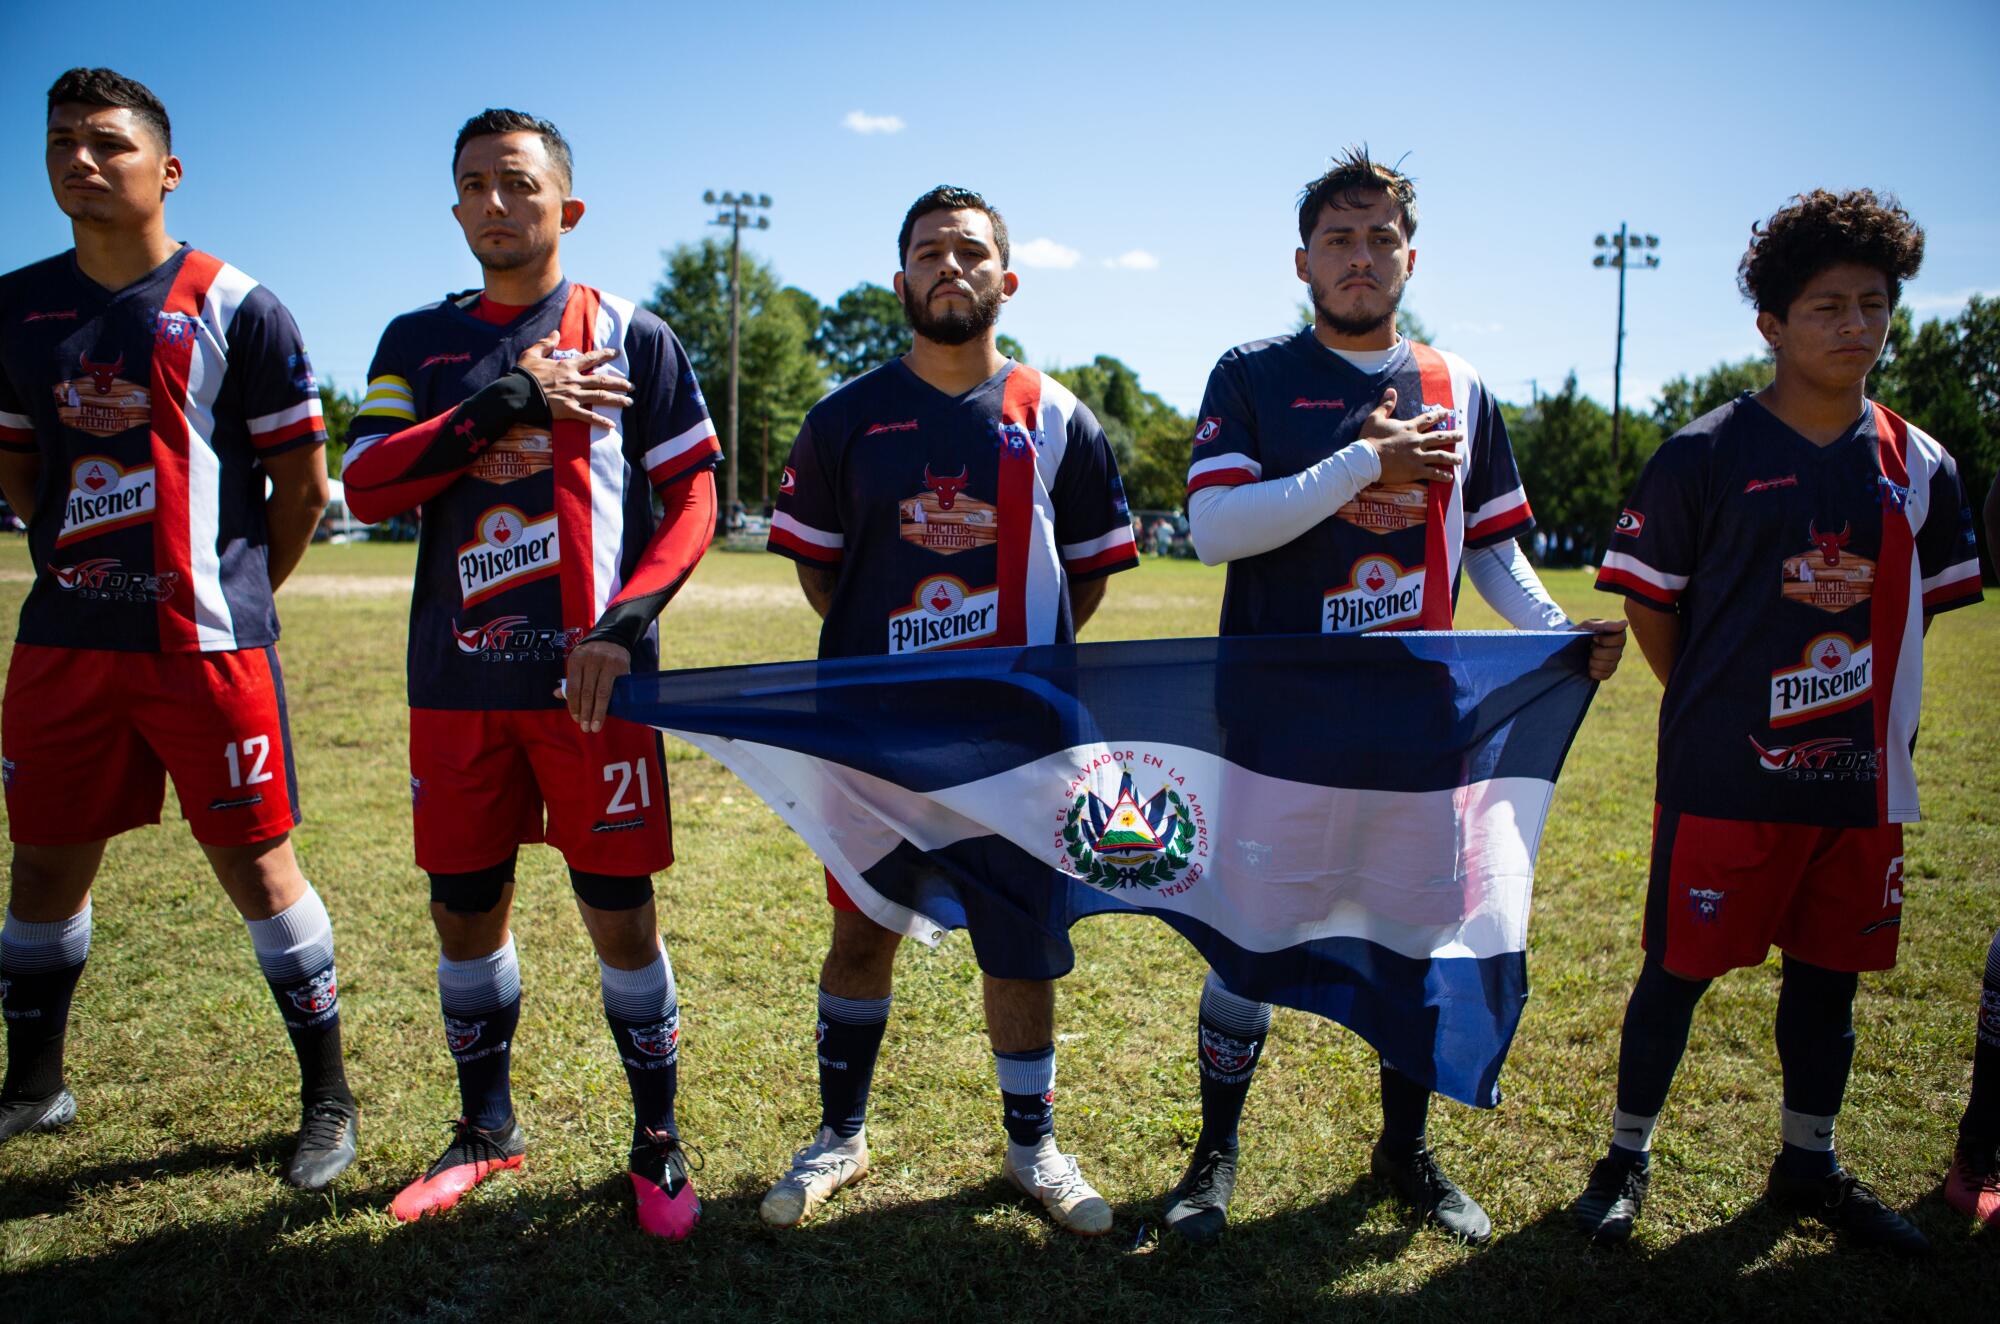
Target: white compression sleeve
(1228, 523)
(1511, 587)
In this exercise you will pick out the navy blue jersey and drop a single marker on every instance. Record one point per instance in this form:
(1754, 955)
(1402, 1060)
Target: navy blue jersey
(1802, 575)
(518, 557)
(1388, 559)
(149, 408)
(953, 521)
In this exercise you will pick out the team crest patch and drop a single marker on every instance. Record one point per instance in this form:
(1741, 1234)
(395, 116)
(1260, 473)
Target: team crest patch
(461, 1035)
(521, 452)
(1989, 1017)
(1124, 842)
(1387, 507)
(1015, 438)
(1225, 1056)
(301, 369)
(1383, 592)
(661, 1039)
(100, 401)
(173, 329)
(945, 612)
(316, 995)
(1829, 576)
(1706, 903)
(943, 519)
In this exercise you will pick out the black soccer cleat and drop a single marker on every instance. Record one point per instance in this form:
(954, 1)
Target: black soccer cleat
(1612, 1199)
(1847, 1204)
(19, 1116)
(1198, 1206)
(327, 1135)
(1419, 1180)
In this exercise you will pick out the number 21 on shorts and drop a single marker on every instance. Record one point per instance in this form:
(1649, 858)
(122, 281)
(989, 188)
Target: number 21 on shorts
(625, 775)
(246, 759)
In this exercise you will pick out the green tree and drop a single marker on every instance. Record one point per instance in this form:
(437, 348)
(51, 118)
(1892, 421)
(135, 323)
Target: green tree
(337, 408)
(1562, 444)
(1012, 349)
(780, 377)
(1684, 399)
(862, 329)
(1150, 437)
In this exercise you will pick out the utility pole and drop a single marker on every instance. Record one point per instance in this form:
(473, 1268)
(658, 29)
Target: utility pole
(1622, 244)
(734, 216)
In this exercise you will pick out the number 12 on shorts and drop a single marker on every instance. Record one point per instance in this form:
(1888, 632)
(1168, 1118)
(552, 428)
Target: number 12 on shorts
(254, 752)
(625, 774)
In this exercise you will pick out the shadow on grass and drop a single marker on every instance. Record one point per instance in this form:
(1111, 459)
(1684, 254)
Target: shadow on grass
(57, 1192)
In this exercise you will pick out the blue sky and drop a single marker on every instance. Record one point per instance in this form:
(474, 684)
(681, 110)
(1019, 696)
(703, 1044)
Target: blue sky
(1152, 154)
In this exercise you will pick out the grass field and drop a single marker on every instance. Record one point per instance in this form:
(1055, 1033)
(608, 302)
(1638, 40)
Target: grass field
(164, 1198)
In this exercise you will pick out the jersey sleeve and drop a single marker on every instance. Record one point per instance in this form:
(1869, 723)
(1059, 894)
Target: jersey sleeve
(388, 405)
(1093, 523)
(1947, 547)
(17, 429)
(1496, 505)
(1225, 440)
(670, 435)
(274, 377)
(1652, 551)
(806, 524)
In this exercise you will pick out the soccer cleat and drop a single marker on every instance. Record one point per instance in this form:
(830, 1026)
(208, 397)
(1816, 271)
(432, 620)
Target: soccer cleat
(1973, 1185)
(472, 1156)
(1419, 1180)
(1612, 1199)
(667, 1205)
(817, 1171)
(1847, 1204)
(326, 1143)
(19, 1116)
(1054, 1179)
(1198, 1208)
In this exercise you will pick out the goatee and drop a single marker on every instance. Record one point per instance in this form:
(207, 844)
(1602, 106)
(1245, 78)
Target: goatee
(1354, 324)
(951, 328)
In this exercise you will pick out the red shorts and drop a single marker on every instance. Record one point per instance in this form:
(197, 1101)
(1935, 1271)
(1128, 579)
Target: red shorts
(836, 895)
(89, 737)
(1723, 892)
(479, 782)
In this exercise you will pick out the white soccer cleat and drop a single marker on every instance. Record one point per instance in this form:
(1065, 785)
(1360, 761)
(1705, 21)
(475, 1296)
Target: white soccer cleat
(1052, 1177)
(817, 1171)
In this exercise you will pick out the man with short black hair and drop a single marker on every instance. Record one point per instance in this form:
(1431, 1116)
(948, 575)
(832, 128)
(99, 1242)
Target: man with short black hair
(534, 421)
(1326, 472)
(1782, 557)
(149, 395)
(951, 498)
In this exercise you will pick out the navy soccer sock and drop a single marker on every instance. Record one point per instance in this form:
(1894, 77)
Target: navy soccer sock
(1406, 1111)
(1650, 1047)
(1815, 1033)
(847, 1041)
(295, 951)
(480, 999)
(645, 1018)
(1027, 1094)
(39, 966)
(1981, 1124)
(1229, 1039)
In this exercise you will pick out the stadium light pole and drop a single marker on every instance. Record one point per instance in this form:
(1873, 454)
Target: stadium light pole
(1623, 246)
(735, 216)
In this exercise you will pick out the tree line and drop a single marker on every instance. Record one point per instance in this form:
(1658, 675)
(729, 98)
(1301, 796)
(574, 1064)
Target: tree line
(1943, 375)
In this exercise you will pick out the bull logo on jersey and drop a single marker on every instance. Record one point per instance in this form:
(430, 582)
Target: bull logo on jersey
(104, 496)
(509, 550)
(944, 518)
(1226, 1057)
(461, 1035)
(1824, 759)
(1835, 674)
(100, 401)
(1706, 903)
(1382, 593)
(317, 994)
(521, 452)
(1128, 843)
(662, 1039)
(1830, 576)
(945, 612)
(1388, 507)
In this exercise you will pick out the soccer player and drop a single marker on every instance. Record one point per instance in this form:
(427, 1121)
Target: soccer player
(951, 498)
(1783, 556)
(1326, 472)
(534, 420)
(1972, 1186)
(149, 395)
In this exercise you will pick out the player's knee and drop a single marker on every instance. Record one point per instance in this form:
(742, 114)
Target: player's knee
(475, 893)
(610, 891)
(860, 943)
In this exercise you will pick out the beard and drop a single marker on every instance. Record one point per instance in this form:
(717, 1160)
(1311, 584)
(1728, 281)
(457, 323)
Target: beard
(952, 328)
(508, 259)
(1355, 324)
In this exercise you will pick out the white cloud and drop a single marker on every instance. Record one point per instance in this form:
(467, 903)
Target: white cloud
(860, 121)
(1944, 303)
(1137, 259)
(1046, 253)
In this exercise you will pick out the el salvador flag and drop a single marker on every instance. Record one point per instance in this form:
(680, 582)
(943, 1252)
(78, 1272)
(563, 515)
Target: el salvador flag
(1344, 824)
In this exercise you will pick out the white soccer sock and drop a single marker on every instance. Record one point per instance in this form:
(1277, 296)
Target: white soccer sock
(1630, 1131)
(1805, 1131)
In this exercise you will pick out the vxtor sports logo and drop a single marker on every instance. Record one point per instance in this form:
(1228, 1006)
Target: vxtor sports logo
(1825, 759)
(513, 639)
(105, 579)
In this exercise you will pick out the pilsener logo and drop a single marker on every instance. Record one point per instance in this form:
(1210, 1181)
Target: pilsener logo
(1381, 594)
(946, 613)
(1835, 675)
(103, 497)
(509, 551)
